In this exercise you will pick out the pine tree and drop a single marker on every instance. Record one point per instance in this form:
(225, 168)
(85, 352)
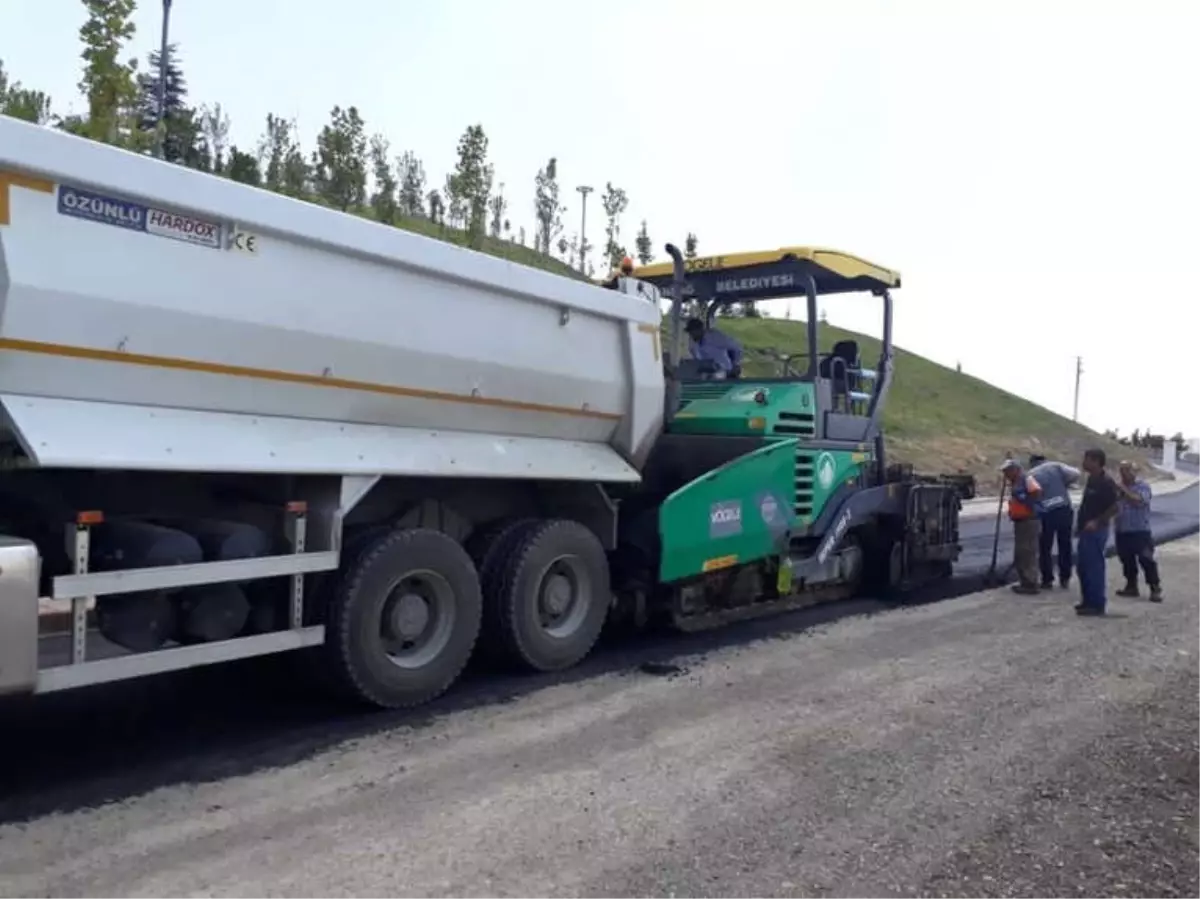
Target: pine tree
(214, 131)
(339, 164)
(614, 202)
(471, 184)
(383, 200)
(22, 103)
(645, 249)
(282, 162)
(179, 123)
(455, 203)
(497, 206)
(437, 208)
(547, 208)
(108, 83)
(243, 167)
(412, 184)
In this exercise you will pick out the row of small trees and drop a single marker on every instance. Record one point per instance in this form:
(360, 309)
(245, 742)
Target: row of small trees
(1147, 440)
(350, 169)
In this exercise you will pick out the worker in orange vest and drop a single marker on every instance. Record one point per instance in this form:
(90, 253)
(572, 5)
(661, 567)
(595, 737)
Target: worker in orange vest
(1024, 504)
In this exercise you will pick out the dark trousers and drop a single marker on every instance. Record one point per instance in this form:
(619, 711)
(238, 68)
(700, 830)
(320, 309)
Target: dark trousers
(1134, 548)
(1057, 525)
(1025, 548)
(1089, 554)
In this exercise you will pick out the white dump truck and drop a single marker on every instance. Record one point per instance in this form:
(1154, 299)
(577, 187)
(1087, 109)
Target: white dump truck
(220, 403)
(236, 424)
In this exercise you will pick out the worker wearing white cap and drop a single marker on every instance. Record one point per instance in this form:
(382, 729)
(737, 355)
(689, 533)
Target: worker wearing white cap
(1024, 503)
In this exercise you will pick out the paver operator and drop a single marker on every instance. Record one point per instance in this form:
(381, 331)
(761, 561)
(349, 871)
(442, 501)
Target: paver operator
(1057, 518)
(1024, 504)
(1135, 543)
(715, 346)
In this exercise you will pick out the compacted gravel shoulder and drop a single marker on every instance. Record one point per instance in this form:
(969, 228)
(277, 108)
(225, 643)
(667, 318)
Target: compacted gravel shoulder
(990, 745)
(1120, 818)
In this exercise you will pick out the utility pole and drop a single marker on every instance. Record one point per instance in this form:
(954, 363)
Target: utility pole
(1078, 374)
(162, 80)
(584, 190)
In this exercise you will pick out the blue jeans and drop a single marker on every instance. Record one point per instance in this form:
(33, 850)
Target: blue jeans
(1057, 525)
(1089, 557)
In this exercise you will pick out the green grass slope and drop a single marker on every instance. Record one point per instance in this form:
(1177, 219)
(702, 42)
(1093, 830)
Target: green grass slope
(505, 249)
(936, 418)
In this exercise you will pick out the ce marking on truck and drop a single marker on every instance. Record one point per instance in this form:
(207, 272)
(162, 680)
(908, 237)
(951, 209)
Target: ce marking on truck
(242, 240)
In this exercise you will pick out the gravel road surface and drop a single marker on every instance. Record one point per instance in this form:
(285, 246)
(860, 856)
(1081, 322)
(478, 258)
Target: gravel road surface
(990, 745)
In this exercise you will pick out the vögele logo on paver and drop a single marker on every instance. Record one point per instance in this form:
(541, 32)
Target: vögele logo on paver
(725, 518)
(826, 470)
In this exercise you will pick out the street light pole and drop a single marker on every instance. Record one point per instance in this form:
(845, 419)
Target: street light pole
(584, 190)
(1078, 375)
(162, 80)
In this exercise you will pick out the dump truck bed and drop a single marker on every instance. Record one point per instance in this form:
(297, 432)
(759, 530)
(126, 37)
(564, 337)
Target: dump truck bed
(158, 317)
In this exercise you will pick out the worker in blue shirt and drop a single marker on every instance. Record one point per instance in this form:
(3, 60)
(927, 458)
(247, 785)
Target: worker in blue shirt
(1135, 543)
(715, 346)
(1057, 518)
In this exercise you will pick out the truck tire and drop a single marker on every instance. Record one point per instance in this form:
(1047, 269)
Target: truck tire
(491, 545)
(403, 618)
(548, 602)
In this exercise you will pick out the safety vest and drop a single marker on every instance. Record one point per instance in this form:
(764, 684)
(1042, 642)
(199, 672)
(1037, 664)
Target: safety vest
(1022, 503)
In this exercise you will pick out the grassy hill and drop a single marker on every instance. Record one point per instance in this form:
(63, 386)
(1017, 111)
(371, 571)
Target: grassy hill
(936, 418)
(505, 249)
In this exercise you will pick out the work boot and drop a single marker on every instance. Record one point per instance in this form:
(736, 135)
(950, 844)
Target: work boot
(1064, 583)
(1156, 594)
(1129, 590)
(1089, 612)
(1026, 589)
(1047, 585)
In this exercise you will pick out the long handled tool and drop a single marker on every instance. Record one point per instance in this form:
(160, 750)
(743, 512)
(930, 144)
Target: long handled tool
(992, 576)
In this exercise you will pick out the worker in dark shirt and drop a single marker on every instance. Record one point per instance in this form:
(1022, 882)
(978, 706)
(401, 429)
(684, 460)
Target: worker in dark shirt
(1096, 511)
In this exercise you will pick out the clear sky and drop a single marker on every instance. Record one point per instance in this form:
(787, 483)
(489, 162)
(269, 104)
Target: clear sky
(1030, 167)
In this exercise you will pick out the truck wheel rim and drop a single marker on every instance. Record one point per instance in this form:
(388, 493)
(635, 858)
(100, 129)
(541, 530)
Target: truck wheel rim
(563, 596)
(417, 619)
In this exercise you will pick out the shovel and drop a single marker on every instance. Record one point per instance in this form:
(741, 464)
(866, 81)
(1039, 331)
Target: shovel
(993, 577)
